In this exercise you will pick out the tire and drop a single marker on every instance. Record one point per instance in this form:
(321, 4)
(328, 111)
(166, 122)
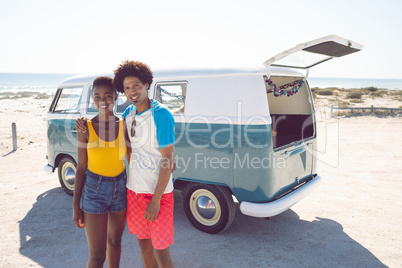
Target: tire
(210, 208)
(67, 170)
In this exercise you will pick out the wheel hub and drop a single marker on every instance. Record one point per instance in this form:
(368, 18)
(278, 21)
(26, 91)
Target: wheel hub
(206, 207)
(69, 174)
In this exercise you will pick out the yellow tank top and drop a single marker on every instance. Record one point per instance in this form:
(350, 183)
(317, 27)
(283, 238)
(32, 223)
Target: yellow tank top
(106, 157)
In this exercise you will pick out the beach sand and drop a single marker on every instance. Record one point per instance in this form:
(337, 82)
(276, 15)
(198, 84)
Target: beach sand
(351, 220)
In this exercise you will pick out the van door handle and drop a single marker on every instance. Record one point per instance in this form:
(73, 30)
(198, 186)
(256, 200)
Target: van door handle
(295, 152)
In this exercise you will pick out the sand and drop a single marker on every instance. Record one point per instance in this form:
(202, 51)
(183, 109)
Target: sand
(352, 220)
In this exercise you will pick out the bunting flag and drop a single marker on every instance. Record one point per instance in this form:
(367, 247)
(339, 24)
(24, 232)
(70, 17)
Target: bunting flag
(282, 90)
(170, 94)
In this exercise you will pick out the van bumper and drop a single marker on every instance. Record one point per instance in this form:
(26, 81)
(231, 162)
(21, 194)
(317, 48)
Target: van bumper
(48, 169)
(263, 210)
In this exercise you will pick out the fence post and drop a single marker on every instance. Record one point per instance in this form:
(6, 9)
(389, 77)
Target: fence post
(14, 134)
(372, 109)
(332, 110)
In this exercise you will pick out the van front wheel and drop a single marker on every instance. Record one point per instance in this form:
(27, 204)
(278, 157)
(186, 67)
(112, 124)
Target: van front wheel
(67, 170)
(210, 208)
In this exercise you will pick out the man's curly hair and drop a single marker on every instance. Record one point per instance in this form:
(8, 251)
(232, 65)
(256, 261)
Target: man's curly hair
(131, 68)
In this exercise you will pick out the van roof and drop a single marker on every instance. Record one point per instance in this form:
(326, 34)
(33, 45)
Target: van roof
(185, 73)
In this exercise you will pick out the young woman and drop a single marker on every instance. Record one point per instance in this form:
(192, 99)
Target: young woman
(100, 201)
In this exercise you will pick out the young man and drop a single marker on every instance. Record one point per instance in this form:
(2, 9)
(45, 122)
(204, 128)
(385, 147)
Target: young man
(150, 130)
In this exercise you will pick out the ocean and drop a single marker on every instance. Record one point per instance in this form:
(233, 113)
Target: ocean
(324, 82)
(15, 82)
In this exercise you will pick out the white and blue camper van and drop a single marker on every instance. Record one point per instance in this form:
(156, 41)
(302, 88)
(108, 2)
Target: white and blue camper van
(242, 136)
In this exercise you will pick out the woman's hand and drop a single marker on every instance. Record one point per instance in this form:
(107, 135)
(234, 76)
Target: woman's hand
(81, 124)
(174, 166)
(78, 217)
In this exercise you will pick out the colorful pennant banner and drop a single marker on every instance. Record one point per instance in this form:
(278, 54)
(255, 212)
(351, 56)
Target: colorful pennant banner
(282, 90)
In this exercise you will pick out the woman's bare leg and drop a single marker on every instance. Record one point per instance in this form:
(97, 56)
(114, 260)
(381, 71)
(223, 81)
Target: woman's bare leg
(95, 230)
(115, 229)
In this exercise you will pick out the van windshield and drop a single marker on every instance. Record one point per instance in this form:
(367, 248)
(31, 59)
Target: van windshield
(68, 100)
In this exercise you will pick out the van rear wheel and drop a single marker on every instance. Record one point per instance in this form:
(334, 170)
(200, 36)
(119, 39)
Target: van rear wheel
(67, 170)
(210, 208)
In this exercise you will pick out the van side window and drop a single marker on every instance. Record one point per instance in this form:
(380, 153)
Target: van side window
(69, 100)
(91, 106)
(173, 95)
(121, 103)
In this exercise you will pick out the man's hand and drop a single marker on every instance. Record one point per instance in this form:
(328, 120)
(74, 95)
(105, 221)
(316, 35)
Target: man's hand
(152, 211)
(81, 125)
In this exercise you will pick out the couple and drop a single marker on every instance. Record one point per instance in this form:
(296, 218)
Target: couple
(103, 195)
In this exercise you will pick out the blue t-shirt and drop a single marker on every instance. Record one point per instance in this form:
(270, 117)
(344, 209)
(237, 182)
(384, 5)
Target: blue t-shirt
(154, 129)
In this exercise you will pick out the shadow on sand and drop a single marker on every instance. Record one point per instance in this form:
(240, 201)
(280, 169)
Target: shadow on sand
(7, 154)
(49, 237)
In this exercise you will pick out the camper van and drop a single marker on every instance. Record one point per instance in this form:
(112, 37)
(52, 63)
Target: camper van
(245, 136)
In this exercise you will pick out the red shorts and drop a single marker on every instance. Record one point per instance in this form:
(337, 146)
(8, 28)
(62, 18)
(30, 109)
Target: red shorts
(159, 231)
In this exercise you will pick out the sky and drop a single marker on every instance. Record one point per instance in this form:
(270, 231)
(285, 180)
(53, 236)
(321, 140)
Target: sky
(90, 36)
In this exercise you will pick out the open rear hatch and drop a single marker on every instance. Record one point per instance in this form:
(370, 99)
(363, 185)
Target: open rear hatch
(289, 98)
(307, 55)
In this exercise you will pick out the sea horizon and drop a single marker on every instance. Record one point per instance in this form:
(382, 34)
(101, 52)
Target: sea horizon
(42, 82)
(348, 83)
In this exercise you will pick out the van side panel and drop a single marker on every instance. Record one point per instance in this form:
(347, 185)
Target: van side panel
(203, 153)
(61, 140)
(252, 167)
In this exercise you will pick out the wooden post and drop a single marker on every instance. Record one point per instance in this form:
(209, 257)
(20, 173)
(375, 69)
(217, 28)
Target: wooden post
(332, 110)
(14, 133)
(372, 109)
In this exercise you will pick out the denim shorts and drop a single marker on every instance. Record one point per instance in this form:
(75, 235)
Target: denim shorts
(101, 194)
